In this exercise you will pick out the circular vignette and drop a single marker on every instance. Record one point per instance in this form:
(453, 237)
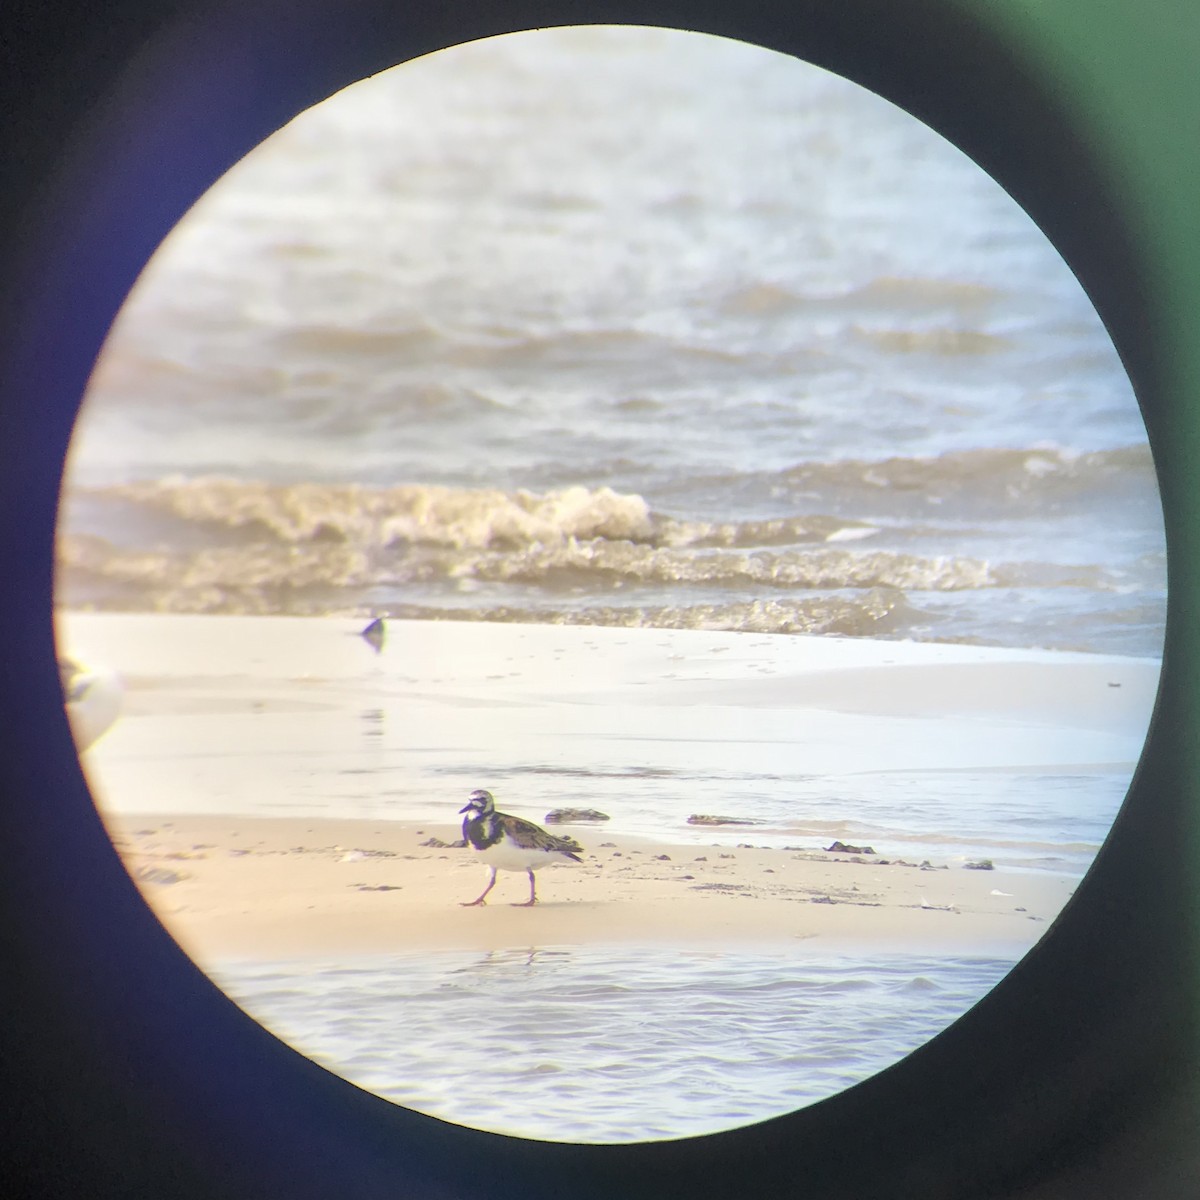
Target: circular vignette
(164, 1085)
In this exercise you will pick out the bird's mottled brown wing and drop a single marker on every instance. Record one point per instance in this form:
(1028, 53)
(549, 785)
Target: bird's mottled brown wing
(526, 833)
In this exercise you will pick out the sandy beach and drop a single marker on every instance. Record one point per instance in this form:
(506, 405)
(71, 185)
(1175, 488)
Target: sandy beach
(274, 784)
(263, 888)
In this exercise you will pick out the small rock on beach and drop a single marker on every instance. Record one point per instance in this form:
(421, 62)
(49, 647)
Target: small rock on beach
(575, 816)
(845, 848)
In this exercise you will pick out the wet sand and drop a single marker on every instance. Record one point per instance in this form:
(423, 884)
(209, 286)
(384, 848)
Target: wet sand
(232, 887)
(273, 783)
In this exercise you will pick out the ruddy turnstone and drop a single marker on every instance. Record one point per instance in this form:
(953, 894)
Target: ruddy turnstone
(93, 700)
(509, 843)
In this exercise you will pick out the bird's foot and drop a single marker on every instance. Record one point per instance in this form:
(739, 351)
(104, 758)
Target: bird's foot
(525, 904)
(480, 903)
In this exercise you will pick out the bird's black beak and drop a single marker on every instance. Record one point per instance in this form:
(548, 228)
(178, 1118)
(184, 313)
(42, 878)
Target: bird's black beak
(465, 807)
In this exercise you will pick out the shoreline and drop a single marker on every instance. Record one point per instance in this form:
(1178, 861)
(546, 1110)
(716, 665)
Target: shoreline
(231, 888)
(270, 782)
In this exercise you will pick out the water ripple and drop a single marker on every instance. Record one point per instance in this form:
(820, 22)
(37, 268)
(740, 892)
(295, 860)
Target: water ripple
(606, 1044)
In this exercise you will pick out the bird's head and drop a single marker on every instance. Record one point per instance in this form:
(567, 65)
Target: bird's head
(480, 802)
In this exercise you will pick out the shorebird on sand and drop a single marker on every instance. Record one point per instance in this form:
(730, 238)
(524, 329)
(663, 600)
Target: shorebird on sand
(509, 843)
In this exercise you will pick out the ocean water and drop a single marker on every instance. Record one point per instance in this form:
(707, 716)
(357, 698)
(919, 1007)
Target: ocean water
(622, 327)
(609, 1044)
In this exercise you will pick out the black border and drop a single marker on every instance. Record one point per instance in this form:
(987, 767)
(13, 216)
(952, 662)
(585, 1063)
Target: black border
(129, 1074)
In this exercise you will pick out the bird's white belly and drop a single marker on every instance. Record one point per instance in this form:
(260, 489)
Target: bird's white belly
(506, 855)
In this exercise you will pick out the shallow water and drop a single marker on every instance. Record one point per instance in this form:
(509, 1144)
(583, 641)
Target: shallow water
(300, 718)
(477, 341)
(610, 1044)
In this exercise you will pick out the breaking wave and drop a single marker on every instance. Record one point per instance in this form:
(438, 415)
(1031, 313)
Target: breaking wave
(290, 514)
(233, 536)
(1004, 483)
(571, 565)
(851, 547)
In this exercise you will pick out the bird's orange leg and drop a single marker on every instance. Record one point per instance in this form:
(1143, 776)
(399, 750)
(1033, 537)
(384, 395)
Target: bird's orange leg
(480, 900)
(532, 894)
